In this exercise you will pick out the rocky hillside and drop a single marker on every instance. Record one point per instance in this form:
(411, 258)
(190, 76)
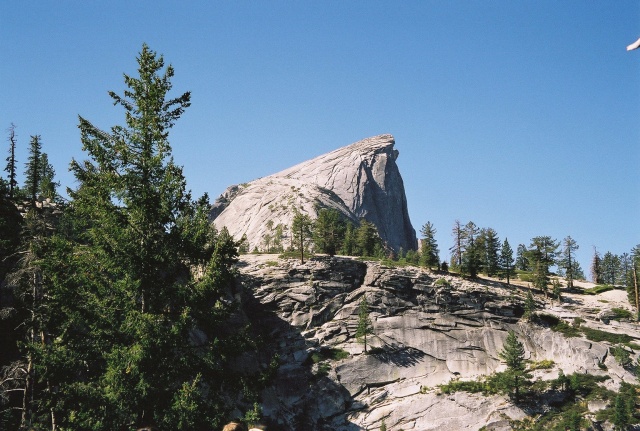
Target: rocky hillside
(360, 180)
(428, 329)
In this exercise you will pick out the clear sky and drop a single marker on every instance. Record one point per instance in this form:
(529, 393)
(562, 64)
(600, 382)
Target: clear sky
(520, 116)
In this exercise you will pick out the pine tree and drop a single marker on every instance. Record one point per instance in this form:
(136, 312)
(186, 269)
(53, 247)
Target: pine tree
(33, 170)
(11, 161)
(429, 247)
(610, 267)
(349, 243)
(522, 263)
(529, 306)
(365, 326)
(541, 254)
(596, 270)
(568, 260)
(456, 249)
(471, 252)
(138, 283)
(506, 260)
(367, 240)
(490, 245)
(48, 186)
(328, 231)
(512, 354)
(301, 231)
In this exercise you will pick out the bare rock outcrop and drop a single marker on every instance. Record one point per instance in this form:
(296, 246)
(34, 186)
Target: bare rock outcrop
(428, 329)
(361, 180)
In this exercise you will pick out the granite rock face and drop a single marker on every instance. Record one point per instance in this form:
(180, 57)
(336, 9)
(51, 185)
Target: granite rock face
(360, 180)
(428, 329)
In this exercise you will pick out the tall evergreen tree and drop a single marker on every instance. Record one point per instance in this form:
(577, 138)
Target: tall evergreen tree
(365, 327)
(610, 268)
(367, 240)
(301, 231)
(596, 267)
(138, 286)
(429, 246)
(632, 280)
(506, 260)
(490, 247)
(522, 263)
(328, 231)
(456, 248)
(33, 170)
(512, 354)
(48, 186)
(349, 243)
(471, 252)
(568, 259)
(11, 161)
(542, 253)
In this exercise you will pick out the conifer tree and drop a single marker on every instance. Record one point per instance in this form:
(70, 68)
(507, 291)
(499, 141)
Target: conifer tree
(522, 263)
(328, 231)
(429, 246)
(568, 259)
(349, 243)
(506, 260)
(490, 245)
(541, 254)
(48, 186)
(33, 170)
(301, 231)
(11, 161)
(596, 269)
(137, 285)
(365, 326)
(471, 252)
(610, 267)
(512, 354)
(367, 240)
(456, 248)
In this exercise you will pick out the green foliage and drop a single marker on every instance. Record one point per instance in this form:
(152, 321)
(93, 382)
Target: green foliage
(621, 313)
(600, 288)
(365, 326)
(132, 324)
(525, 276)
(506, 262)
(367, 241)
(442, 282)
(383, 425)
(429, 247)
(530, 306)
(545, 364)
(622, 355)
(328, 354)
(599, 336)
(329, 231)
(512, 354)
(301, 232)
(33, 170)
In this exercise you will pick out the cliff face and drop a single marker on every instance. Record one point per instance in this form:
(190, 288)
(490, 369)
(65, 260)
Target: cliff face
(426, 332)
(360, 180)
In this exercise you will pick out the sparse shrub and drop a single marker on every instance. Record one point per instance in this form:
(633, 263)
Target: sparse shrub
(600, 288)
(622, 355)
(271, 263)
(599, 336)
(621, 313)
(545, 364)
(442, 282)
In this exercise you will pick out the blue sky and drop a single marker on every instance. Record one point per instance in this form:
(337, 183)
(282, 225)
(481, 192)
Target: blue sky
(520, 116)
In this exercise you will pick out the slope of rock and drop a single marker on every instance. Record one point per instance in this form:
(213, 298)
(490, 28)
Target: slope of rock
(360, 180)
(426, 332)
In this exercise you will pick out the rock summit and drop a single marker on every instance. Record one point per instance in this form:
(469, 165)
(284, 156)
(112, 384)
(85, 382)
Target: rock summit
(361, 180)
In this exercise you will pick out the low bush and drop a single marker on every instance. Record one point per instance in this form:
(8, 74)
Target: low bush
(600, 288)
(621, 313)
(545, 364)
(599, 336)
(442, 282)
